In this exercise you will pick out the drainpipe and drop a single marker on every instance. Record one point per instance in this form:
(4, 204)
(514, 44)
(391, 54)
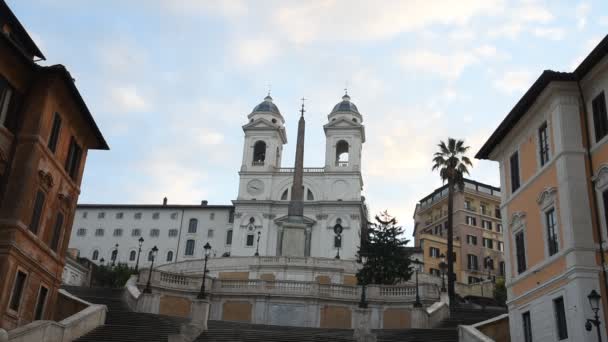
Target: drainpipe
(593, 197)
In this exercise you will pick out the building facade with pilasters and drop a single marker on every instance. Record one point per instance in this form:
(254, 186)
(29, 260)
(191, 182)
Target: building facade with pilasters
(553, 158)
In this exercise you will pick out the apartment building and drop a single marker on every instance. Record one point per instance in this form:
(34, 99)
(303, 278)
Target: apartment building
(478, 243)
(553, 156)
(46, 131)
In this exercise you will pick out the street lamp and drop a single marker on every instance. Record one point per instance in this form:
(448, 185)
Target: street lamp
(257, 247)
(207, 247)
(594, 301)
(417, 303)
(363, 302)
(148, 289)
(338, 231)
(114, 255)
(141, 242)
(489, 266)
(101, 261)
(443, 266)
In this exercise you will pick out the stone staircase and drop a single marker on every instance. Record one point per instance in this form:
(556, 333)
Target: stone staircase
(468, 314)
(122, 324)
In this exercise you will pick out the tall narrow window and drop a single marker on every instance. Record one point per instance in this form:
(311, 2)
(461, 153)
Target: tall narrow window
(5, 98)
(192, 225)
(72, 163)
(229, 237)
(502, 268)
(543, 141)
(17, 291)
(259, 153)
(57, 232)
(560, 318)
(170, 256)
(37, 213)
(309, 195)
(189, 247)
(132, 255)
(342, 155)
(552, 245)
(527, 325)
(54, 137)
(472, 262)
(95, 255)
(520, 250)
(41, 303)
(600, 119)
(514, 163)
(250, 239)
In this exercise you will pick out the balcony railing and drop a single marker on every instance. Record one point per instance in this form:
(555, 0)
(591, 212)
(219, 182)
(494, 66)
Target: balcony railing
(342, 164)
(306, 169)
(257, 163)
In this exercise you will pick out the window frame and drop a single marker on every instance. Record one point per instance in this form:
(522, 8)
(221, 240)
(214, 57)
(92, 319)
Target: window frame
(229, 236)
(514, 180)
(595, 116)
(543, 144)
(192, 225)
(37, 212)
(57, 232)
(526, 318)
(187, 247)
(21, 292)
(561, 322)
(55, 133)
(5, 102)
(44, 304)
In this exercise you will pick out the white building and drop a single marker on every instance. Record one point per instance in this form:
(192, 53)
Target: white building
(332, 196)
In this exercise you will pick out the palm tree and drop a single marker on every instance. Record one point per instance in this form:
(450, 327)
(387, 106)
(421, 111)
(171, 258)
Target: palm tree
(452, 165)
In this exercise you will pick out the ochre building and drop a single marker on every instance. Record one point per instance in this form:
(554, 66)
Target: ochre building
(45, 133)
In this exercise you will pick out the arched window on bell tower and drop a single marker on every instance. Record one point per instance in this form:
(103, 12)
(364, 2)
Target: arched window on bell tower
(342, 154)
(259, 153)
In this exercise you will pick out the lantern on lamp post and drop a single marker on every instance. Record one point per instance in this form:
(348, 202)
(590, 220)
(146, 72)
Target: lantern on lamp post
(207, 248)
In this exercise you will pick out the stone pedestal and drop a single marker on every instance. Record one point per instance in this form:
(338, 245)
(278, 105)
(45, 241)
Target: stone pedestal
(199, 313)
(362, 324)
(148, 302)
(294, 239)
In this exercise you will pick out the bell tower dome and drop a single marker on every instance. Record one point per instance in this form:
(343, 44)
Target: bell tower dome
(345, 135)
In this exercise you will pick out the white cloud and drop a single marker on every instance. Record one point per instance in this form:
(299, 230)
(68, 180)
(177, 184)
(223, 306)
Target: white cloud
(519, 19)
(448, 66)
(552, 33)
(128, 99)
(254, 52)
(486, 51)
(514, 81)
(227, 8)
(581, 12)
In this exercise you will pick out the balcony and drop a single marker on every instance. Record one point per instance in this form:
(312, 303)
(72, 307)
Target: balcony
(257, 163)
(342, 164)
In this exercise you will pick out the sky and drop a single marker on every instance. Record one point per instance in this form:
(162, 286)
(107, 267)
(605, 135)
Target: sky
(170, 83)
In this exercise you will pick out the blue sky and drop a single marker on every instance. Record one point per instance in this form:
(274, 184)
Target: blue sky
(171, 82)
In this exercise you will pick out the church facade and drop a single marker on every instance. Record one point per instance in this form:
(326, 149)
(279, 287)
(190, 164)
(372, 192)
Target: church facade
(332, 215)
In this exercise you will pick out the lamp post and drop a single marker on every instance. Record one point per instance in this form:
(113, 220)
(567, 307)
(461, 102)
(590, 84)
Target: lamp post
(363, 301)
(442, 266)
(141, 242)
(101, 261)
(417, 303)
(207, 247)
(257, 247)
(114, 255)
(148, 289)
(594, 301)
(338, 231)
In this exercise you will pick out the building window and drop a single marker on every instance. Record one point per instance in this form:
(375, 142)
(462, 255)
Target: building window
(468, 205)
(497, 212)
(486, 224)
(488, 243)
(502, 268)
(259, 153)
(173, 232)
(37, 213)
(472, 262)
(551, 235)
(231, 216)
(600, 119)
(527, 325)
(501, 246)
(560, 318)
(212, 216)
(132, 256)
(169, 256)
(41, 303)
(520, 250)
(85, 214)
(192, 225)
(81, 232)
(250, 240)
(190, 247)
(471, 221)
(154, 232)
(117, 232)
(229, 237)
(17, 291)
(474, 280)
(5, 98)
(137, 216)
(99, 232)
(210, 233)
(155, 216)
(57, 232)
(174, 216)
(101, 215)
(434, 252)
(499, 227)
(54, 137)
(514, 163)
(309, 195)
(472, 240)
(95, 255)
(136, 232)
(284, 195)
(119, 216)
(72, 163)
(488, 263)
(150, 255)
(543, 141)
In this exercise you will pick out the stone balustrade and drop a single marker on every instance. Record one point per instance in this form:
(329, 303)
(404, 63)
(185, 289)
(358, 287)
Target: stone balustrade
(378, 293)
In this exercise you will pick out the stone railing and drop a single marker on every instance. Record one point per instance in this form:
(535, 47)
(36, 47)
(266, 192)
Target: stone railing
(381, 293)
(306, 169)
(494, 329)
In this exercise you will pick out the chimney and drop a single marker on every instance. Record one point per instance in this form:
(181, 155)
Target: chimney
(204, 203)
(165, 201)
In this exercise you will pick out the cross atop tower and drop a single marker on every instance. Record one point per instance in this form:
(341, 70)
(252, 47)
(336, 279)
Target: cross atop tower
(302, 110)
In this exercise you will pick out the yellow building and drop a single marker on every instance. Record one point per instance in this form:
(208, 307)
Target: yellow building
(553, 159)
(478, 243)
